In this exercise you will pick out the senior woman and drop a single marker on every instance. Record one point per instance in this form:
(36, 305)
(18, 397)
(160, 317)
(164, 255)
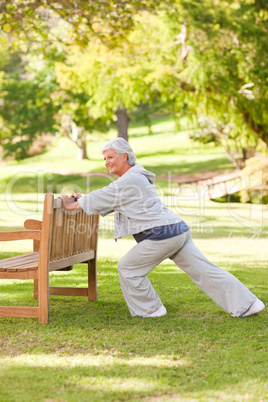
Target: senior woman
(159, 234)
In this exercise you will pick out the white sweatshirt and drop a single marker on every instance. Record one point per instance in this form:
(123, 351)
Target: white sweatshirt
(134, 200)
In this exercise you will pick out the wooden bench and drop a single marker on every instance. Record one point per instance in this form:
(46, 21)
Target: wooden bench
(62, 239)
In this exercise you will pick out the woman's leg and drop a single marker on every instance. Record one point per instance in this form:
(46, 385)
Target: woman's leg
(140, 296)
(221, 286)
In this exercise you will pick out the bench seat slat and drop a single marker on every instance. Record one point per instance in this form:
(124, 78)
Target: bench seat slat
(26, 256)
(20, 263)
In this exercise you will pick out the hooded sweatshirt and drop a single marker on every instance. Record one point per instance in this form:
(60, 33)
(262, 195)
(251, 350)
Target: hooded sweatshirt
(134, 199)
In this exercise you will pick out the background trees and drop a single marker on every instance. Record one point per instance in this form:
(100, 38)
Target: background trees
(223, 71)
(205, 60)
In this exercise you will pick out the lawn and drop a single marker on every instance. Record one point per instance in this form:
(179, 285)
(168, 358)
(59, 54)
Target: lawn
(96, 351)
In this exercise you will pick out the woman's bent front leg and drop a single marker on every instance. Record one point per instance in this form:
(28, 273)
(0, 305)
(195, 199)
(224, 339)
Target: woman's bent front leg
(141, 298)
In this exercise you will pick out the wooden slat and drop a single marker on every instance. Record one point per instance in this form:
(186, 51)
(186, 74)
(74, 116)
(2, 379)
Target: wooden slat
(80, 230)
(53, 237)
(27, 256)
(19, 275)
(87, 235)
(67, 235)
(94, 233)
(19, 311)
(20, 235)
(21, 268)
(58, 242)
(64, 249)
(70, 228)
(76, 217)
(20, 261)
(65, 291)
(72, 260)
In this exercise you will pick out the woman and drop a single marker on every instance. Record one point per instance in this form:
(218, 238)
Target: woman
(159, 234)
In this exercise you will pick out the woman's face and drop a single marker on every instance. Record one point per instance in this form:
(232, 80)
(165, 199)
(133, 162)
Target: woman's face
(117, 164)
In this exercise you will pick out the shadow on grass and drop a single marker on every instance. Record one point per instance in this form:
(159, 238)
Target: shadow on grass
(126, 379)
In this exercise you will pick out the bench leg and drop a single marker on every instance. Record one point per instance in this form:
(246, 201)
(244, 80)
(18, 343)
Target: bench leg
(43, 295)
(35, 288)
(92, 279)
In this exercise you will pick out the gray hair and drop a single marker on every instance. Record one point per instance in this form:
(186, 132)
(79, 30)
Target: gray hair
(122, 147)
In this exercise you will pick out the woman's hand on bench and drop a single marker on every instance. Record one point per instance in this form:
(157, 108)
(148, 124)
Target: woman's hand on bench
(76, 195)
(66, 201)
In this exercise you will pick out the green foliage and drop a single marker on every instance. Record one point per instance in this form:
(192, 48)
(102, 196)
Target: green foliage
(226, 54)
(41, 20)
(26, 107)
(27, 112)
(134, 73)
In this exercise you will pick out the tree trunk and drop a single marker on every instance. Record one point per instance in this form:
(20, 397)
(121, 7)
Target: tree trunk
(122, 123)
(82, 149)
(78, 136)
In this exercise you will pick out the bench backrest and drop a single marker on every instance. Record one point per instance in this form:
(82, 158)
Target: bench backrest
(71, 235)
(72, 232)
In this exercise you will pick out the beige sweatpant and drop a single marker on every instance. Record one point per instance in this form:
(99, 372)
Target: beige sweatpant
(141, 298)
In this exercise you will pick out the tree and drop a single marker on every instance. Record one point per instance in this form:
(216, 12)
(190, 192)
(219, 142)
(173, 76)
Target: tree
(74, 119)
(118, 80)
(39, 19)
(223, 68)
(26, 108)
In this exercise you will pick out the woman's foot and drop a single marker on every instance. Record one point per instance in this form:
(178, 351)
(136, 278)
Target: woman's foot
(158, 313)
(255, 308)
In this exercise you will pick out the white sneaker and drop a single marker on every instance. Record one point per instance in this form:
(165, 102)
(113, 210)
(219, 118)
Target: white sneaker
(255, 308)
(158, 313)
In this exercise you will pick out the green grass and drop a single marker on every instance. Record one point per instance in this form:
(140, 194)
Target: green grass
(96, 351)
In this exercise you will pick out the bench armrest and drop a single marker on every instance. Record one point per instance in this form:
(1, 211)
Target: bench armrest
(33, 224)
(21, 235)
